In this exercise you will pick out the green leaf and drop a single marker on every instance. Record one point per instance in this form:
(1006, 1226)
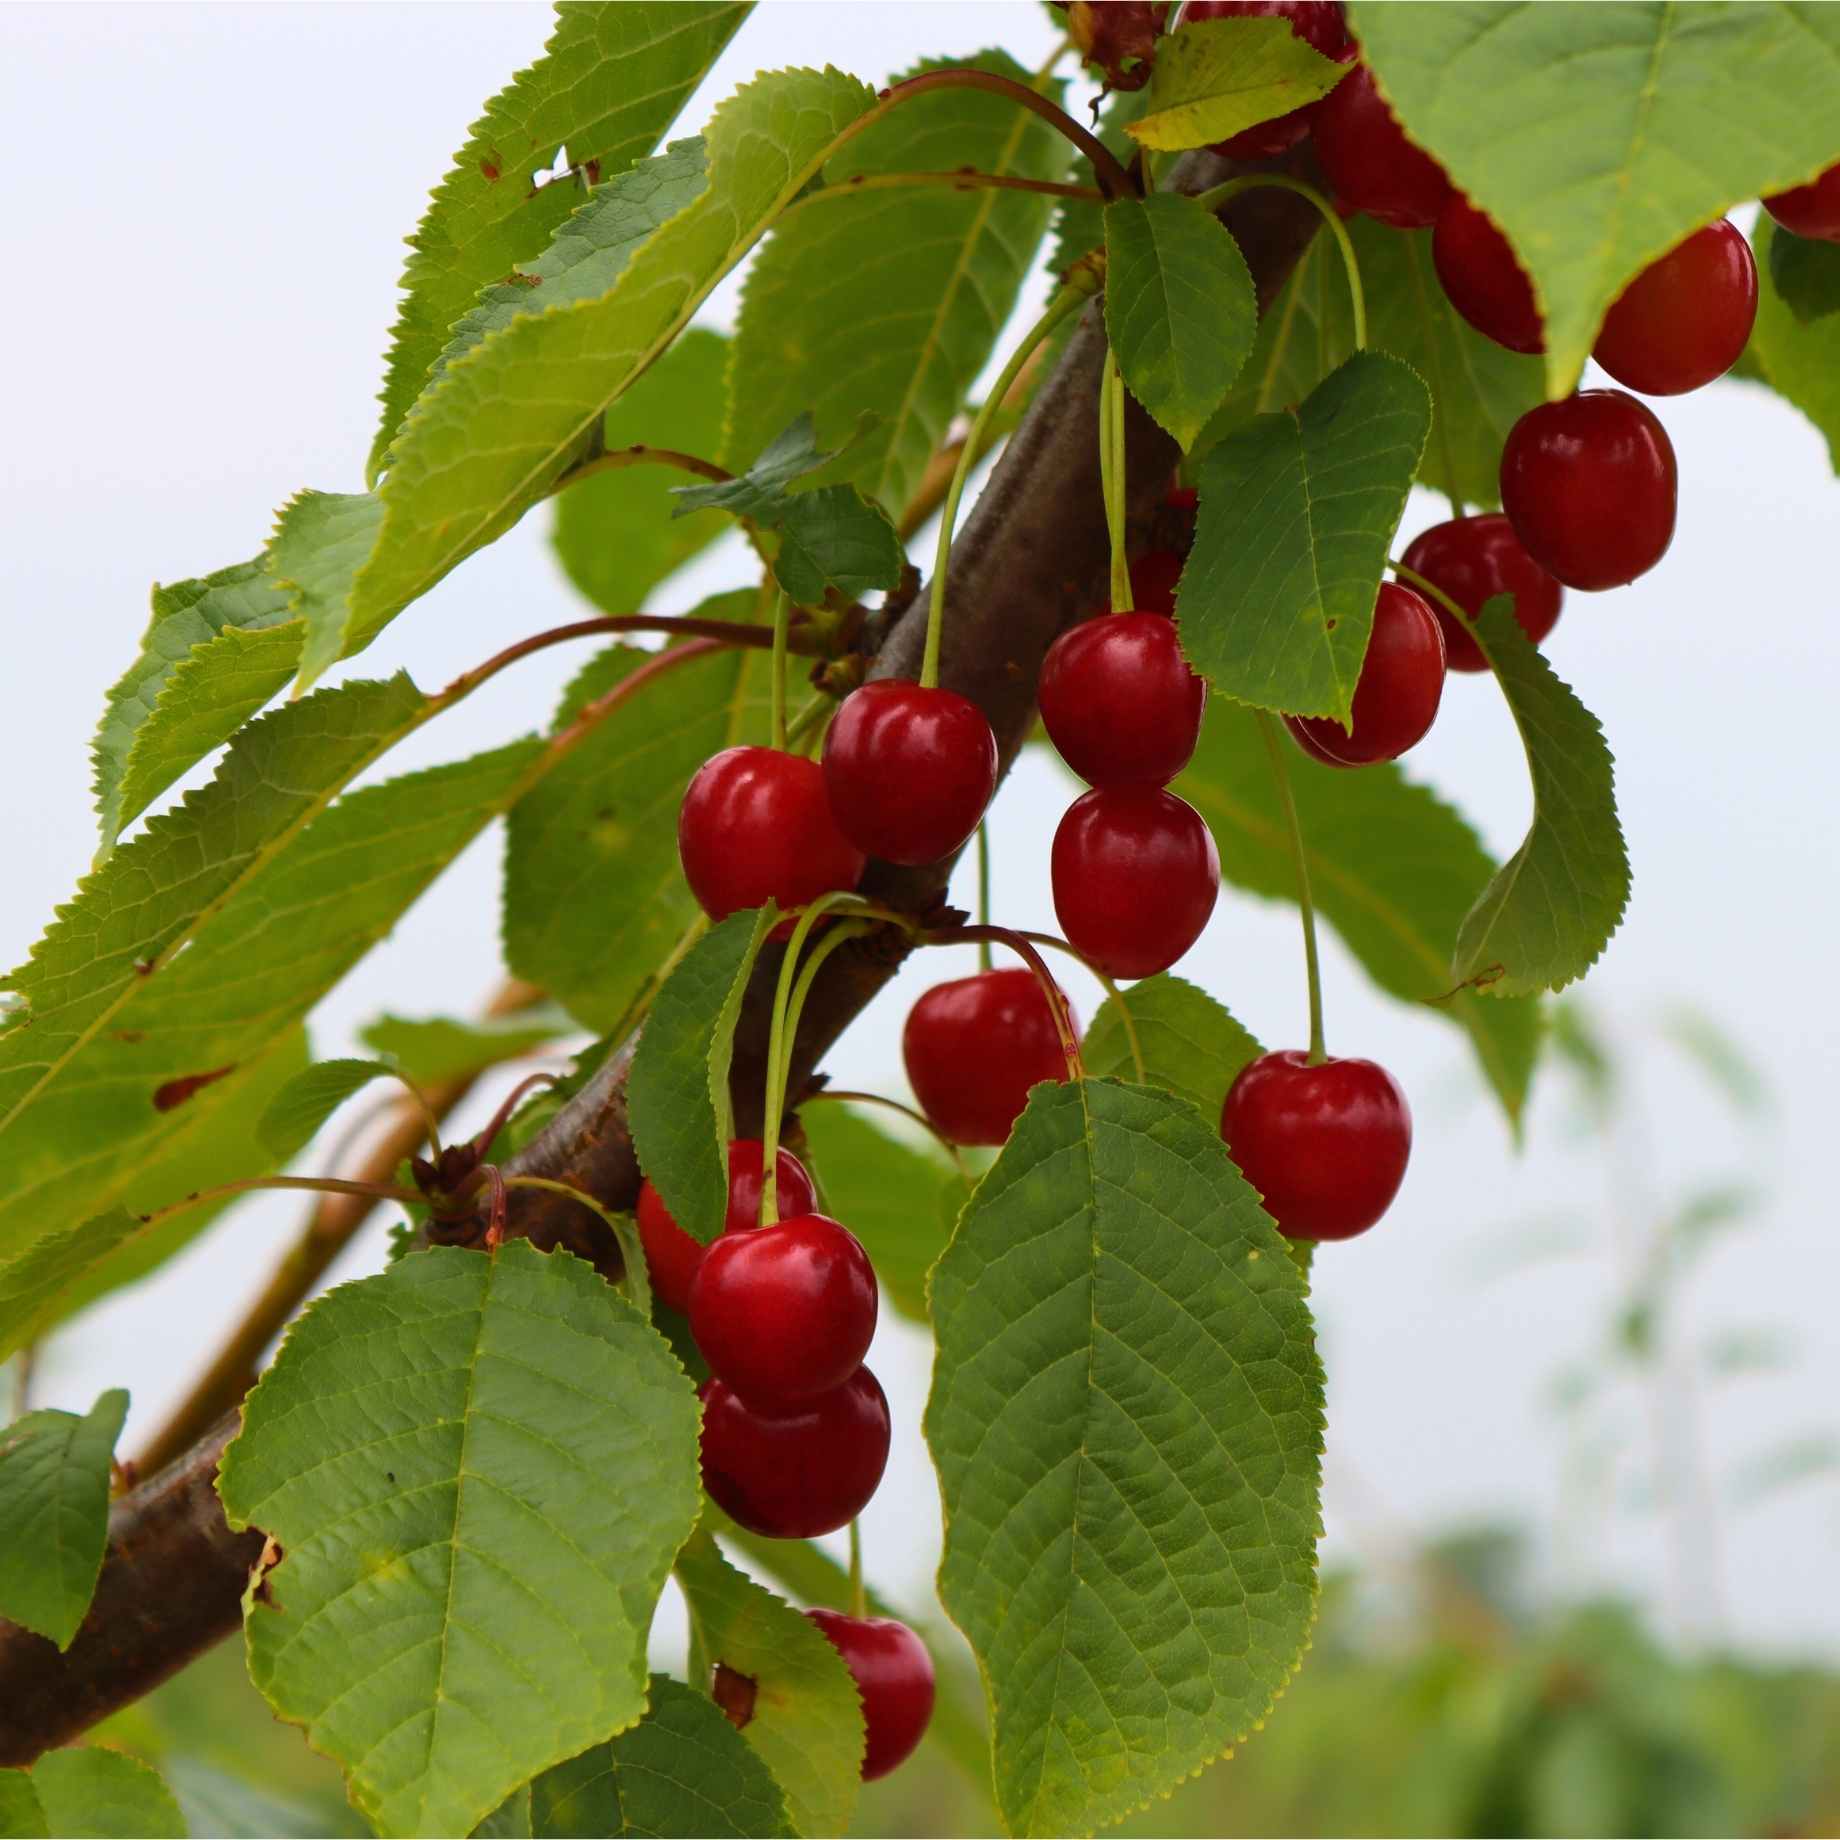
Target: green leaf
(321, 540)
(1215, 77)
(54, 1514)
(683, 1770)
(1554, 904)
(890, 302)
(1191, 1046)
(303, 1105)
(83, 1794)
(218, 1803)
(1297, 514)
(1800, 357)
(1179, 307)
(833, 539)
(677, 1092)
(761, 490)
(1598, 137)
(1803, 270)
(614, 533)
(807, 1726)
(609, 82)
(418, 1432)
(1126, 1416)
(433, 1050)
(1392, 867)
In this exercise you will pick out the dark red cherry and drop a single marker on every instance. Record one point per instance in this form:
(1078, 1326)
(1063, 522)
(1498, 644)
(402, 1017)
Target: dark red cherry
(1119, 700)
(800, 1472)
(1326, 1146)
(1812, 209)
(909, 771)
(1683, 320)
(1135, 876)
(1483, 278)
(1471, 559)
(1183, 498)
(1154, 575)
(672, 1256)
(1589, 484)
(1305, 740)
(893, 1673)
(1369, 161)
(975, 1046)
(1397, 694)
(1319, 23)
(786, 1312)
(756, 825)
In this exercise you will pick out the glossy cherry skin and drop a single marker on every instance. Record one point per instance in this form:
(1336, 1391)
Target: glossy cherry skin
(1472, 559)
(756, 825)
(672, 1256)
(1154, 575)
(1589, 484)
(1135, 876)
(1396, 696)
(909, 771)
(797, 1473)
(975, 1046)
(1119, 701)
(1319, 23)
(1483, 279)
(1812, 209)
(893, 1673)
(1325, 1146)
(1369, 161)
(1683, 320)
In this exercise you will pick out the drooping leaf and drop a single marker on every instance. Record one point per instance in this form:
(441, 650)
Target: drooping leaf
(834, 539)
(303, 1105)
(54, 1513)
(1554, 904)
(1598, 137)
(677, 1092)
(478, 1470)
(1297, 512)
(1191, 1045)
(1800, 357)
(85, 1794)
(435, 1049)
(321, 540)
(1214, 77)
(1126, 1416)
(609, 83)
(1179, 307)
(807, 1726)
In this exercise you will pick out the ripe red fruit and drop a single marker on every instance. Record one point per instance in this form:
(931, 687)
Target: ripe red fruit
(893, 1673)
(1135, 876)
(1471, 559)
(1589, 484)
(1397, 694)
(1483, 278)
(1119, 700)
(1319, 23)
(755, 825)
(1369, 161)
(1154, 575)
(797, 1473)
(1812, 209)
(1326, 1146)
(1683, 320)
(909, 771)
(672, 1256)
(786, 1312)
(975, 1046)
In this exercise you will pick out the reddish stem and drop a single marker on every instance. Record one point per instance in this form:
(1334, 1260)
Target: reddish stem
(1020, 944)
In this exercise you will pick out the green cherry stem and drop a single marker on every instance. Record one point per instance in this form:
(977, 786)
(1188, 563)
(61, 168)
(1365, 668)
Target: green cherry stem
(1111, 476)
(859, 1600)
(1431, 588)
(839, 935)
(983, 888)
(632, 1254)
(782, 621)
(849, 1096)
(1280, 771)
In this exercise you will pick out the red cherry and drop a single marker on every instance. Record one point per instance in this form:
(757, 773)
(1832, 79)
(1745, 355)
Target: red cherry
(1120, 702)
(893, 1673)
(1589, 484)
(1369, 160)
(1472, 558)
(798, 1473)
(786, 1312)
(975, 1046)
(1154, 575)
(1319, 23)
(1812, 209)
(1683, 320)
(909, 771)
(1483, 277)
(1135, 876)
(1397, 694)
(1305, 740)
(672, 1256)
(1183, 498)
(755, 825)
(1326, 1146)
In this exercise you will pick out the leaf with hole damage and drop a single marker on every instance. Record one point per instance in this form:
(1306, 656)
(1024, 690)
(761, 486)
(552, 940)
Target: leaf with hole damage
(1800, 351)
(1214, 77)
(1191, 1045)
(88, 1794)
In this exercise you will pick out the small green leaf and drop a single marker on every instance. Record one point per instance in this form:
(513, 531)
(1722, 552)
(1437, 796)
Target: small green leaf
(84, 1794)
(478, 1470)
(1215, 77)
(1179, 307)
(1554, 904)
(761, 491)
(303, 1105)
(1800, 356)
(1297, 514)
(435, 1049)
(1191, 1046)
(1803, 270)
(834, 539)
(321, 540)
(54, 1514)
